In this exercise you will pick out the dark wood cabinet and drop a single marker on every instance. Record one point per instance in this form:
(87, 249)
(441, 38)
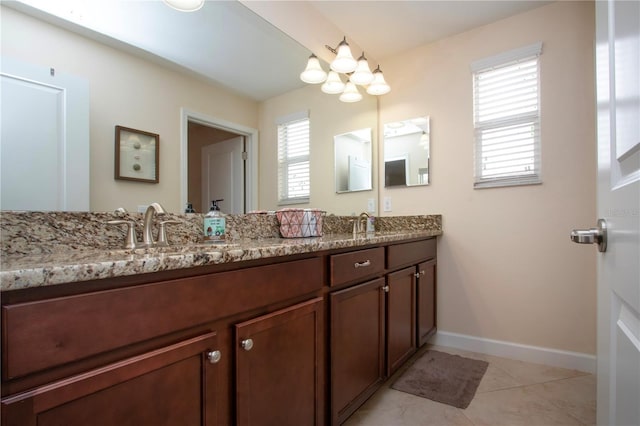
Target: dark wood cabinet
(143, 350)
(176, 384)
(357, 331)
(426, 301)
(401, 317)
(279, 358)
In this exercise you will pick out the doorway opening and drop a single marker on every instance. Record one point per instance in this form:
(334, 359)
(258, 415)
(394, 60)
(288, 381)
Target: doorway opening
(218, 160)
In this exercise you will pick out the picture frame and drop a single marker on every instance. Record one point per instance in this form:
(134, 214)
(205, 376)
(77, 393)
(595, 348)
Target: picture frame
(137, 155)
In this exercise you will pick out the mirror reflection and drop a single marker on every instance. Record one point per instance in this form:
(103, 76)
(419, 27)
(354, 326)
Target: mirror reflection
(353, 158)
(406, 152)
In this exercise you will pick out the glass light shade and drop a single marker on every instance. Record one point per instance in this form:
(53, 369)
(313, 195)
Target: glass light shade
(333, 85)
(378, 86)
(185, 5)
(362, 75)
(351, 93)
(344, 62)
(313, 73)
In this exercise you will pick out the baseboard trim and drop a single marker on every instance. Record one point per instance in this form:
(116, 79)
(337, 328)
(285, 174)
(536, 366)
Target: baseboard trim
(554, 357)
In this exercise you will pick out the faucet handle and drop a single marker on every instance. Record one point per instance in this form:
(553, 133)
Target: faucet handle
(162, 232)
(130, 240)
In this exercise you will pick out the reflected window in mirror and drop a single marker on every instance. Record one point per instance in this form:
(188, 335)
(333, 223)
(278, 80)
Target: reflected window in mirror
(353, 159)
(407, 152)
(294, 178)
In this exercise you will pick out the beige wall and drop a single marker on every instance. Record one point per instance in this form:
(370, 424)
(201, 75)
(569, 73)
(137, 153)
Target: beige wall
(328, 117)
(506, 267)
(129, 91)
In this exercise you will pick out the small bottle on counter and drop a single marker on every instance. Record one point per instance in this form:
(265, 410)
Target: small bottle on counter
(214, 224)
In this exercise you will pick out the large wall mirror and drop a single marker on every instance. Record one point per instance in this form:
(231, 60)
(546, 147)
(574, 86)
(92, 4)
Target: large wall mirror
(353, 159)
(407, 152)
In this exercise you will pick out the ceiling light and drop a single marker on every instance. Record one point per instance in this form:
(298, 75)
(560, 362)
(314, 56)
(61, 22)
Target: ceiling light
(378, 86)
(333, 85)
(362, 74)
(344, 61)
(313, 73)
(357, 72)
(351, 93)
(185, 5)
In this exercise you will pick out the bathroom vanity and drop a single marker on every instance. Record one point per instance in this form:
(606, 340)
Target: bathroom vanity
(273, 332)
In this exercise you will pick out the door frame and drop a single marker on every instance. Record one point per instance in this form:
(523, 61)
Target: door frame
(251, 147)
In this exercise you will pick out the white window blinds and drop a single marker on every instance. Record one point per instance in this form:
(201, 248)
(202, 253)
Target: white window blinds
(506, 94)
(293, 159)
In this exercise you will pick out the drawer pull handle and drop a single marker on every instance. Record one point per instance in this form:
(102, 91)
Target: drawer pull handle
(214, 356)
(362, 264)
(247, 344)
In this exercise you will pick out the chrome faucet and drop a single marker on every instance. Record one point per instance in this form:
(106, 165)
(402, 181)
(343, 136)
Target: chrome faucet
(360, 224)
(147, 234)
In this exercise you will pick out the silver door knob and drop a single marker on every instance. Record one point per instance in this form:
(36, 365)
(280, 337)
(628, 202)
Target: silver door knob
(597, 235)
(214, 356)
(246, 344)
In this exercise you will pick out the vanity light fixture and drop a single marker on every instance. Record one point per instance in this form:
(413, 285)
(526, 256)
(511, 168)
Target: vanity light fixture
(313, 73)
(350, 93)
(357, 73)
(185, 5)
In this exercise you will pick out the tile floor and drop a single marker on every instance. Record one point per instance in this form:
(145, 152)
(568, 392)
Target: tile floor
(511, 393)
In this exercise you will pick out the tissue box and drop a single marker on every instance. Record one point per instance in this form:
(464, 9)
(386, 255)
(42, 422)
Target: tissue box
(299, 223)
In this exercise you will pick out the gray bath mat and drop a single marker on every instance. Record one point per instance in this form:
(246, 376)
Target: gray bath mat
(441, 377)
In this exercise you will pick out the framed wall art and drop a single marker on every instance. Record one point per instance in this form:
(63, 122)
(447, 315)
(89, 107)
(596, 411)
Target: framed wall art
(137, 155)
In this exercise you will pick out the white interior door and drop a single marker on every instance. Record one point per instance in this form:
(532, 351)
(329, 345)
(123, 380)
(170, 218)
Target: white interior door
(618, 103)
(44, 150)
(223, 175)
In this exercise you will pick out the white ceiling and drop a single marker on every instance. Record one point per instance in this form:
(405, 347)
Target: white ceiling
(226, 43)
(386, 28)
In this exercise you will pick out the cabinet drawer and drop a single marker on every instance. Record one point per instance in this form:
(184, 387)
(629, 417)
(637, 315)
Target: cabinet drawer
(43, 334)
(404, 254)
(348, 267)
(162, 387)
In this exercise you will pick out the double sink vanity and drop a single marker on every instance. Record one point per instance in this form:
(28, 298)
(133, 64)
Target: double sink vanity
(261, 330)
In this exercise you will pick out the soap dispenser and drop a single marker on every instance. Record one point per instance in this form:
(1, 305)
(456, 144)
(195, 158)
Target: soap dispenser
(214, 224)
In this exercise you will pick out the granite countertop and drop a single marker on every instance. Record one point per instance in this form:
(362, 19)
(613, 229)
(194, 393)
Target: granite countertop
(38, 270)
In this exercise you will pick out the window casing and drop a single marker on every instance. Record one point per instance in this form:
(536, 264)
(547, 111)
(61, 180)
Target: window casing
(293, 159)
(506, 98)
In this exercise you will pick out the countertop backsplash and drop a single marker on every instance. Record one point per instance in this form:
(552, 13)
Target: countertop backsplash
(33, 233)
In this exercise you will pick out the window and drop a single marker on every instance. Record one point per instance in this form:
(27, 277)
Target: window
(293, 159)
(506, 100)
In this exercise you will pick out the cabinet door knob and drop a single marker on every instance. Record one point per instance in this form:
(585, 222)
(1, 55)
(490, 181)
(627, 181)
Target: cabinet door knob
(385, 288)
(246, 344)
(214, 356)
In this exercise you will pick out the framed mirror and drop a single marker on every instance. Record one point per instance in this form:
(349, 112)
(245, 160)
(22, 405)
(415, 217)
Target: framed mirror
(353, 159)
(407, 152)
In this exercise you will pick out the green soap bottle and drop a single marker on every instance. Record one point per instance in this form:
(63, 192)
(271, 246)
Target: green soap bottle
(214, 224)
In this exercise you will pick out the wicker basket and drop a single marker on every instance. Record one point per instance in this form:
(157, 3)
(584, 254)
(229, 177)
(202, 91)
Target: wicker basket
(300, 223)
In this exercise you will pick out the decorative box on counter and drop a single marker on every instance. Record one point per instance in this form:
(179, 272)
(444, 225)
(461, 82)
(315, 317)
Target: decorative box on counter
(299, 223)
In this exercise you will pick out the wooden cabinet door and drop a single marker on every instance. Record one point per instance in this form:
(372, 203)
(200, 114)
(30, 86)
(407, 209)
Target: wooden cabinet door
(169, 386)
(426, 296)
(401, 317)
(357, 334)
(279, 367)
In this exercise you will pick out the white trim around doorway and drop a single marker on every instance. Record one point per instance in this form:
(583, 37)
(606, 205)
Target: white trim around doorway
(251, 147)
